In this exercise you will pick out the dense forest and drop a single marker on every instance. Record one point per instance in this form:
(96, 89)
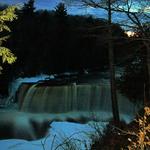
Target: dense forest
(53, 41)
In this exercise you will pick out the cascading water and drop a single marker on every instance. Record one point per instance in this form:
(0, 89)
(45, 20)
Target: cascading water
(72, 97)
(22, 92)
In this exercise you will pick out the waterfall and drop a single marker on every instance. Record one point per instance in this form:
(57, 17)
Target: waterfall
(71, 97)
(21, 92)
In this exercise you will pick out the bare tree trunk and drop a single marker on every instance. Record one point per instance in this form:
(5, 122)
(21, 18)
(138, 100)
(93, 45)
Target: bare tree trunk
(115, 110)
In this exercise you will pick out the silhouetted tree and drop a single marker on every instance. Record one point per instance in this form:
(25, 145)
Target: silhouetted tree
(60, 10)
(62, 36)
(28, 8)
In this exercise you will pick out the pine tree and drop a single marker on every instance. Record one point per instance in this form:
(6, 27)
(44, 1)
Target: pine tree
(61, 10)
(28, 8)
(6, 15)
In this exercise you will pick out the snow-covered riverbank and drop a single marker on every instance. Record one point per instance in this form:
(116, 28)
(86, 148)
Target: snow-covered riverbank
(62, 135)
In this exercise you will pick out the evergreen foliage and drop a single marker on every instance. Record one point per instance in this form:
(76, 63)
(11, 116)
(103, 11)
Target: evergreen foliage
(29, 8)
(60, 10)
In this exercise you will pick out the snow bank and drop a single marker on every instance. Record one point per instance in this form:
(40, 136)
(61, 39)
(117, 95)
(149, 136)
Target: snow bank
(62, 135)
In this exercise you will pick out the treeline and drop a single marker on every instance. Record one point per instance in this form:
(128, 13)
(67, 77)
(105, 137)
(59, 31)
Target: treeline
(53, 41)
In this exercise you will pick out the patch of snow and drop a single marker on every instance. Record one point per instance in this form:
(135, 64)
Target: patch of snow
(62, 135)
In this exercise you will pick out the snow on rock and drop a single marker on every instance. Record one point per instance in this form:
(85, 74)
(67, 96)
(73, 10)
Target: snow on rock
(13, 87)
(62, 135)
